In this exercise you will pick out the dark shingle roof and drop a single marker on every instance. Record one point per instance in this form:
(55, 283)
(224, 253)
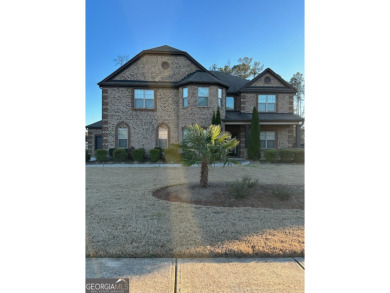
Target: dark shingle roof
(96, 125)
(234, 82)
(164, 48)
(264, 117)
(201, 78)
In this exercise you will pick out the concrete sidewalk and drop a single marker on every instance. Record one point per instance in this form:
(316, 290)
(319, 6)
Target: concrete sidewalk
(203, 275)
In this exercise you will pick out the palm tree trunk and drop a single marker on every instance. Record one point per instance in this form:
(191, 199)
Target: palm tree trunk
(204, 174)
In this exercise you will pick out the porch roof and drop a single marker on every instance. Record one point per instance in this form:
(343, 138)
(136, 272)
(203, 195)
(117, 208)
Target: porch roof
(244, 118)
(96, 125)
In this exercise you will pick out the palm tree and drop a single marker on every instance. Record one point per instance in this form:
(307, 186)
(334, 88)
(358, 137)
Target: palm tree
(205, 147)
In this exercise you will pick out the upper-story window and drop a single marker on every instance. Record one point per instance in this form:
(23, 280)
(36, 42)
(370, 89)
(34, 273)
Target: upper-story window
(267, 103)
(185, 97)
(203, 96)
(220, 98)
(122, 137)
(144, 99)
(229, 103)
(267, 139)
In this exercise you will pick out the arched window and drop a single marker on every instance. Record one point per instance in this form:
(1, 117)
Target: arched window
(163, 136)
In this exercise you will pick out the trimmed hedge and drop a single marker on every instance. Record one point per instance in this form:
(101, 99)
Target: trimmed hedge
(286, 155)
(172, 153)
(299, 155)
(271, 155)
(155, 154)
(101, 155)
(87, 156)
(111, 152)
(119, 155)
(138, 154)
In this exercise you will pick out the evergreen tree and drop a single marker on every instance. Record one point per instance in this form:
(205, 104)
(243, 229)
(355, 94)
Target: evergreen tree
(254, 137)
(218, 120)
(213, 119)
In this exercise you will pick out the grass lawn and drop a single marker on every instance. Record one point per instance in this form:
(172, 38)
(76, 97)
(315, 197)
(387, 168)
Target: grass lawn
(123, 219)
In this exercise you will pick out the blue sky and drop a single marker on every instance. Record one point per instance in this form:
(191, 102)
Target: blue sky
(271, 32)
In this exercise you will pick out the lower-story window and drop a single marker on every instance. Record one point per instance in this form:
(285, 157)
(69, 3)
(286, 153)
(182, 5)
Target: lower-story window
(122, 137)
(163, 137)
(267, 139)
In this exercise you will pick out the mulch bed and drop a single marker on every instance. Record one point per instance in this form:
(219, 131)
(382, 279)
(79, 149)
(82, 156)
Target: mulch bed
(221, 195)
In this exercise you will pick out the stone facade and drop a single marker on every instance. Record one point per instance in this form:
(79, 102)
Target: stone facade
(150, 68)
(284, 102)
(273, 81)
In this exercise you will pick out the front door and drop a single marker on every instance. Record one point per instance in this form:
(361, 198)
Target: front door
(98, 142)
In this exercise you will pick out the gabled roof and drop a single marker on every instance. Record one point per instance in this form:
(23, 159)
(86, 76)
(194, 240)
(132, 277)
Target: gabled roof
(162, 50)
(96, 125)
(234, 82)
(287, 89)
(199, 77)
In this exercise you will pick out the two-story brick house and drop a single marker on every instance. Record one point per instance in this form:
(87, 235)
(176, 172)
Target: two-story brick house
(150, 100)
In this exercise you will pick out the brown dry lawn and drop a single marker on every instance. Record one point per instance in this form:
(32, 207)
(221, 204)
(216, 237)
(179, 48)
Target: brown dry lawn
(123, 219)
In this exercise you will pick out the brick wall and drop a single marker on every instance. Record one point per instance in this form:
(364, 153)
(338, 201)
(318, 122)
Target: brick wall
(149, 67)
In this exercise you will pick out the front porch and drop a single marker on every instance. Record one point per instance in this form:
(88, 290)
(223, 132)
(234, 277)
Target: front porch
(277, 130)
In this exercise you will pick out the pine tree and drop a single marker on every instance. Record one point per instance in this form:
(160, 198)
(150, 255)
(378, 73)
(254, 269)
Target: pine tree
(254, 137)
(213, 119)
(218, 120)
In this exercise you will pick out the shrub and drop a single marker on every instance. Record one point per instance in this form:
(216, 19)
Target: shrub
(101, 155)
(128, 152)
(286, 155)
(271, 155)
(172, 154)
(299, 155)
(155, 154)
(241, 188)
(111, 152)
(119, 155)
(281, 192)
(138, 154)
(87, 156)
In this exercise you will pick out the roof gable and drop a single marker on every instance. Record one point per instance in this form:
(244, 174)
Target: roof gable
(163, 52)
(275, 82)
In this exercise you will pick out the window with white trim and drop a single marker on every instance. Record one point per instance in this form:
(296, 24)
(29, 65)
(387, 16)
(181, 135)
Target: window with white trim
(267, 103)
(220, 98)
(163, 137)
(267, 139)
(229, 103)
(185, 97)
(122, 137)
(203, 96)
(144, 99)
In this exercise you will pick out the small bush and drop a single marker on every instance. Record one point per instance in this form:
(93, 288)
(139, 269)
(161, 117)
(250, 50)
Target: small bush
(286, 155)
(241, 188)
(172, 154)
(138, 154)
(111, 152)
(128, 152)
(101, 155)
(87, 156)
(281, 192)
(119, 155)
(271, 155)
(155, 154)
(299, 155)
